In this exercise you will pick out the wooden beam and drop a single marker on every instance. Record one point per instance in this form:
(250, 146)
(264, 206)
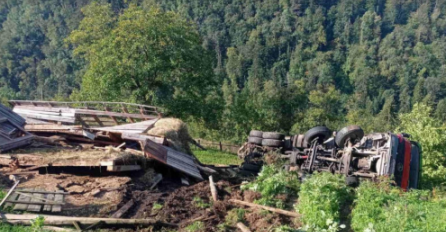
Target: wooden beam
(124, 109)
(25, 219)
(275, 210)
(123, 209)
(9, 192)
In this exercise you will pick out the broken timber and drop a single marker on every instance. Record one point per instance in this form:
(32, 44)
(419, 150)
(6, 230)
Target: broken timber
(36, 200)
(275, 210)
(12, 134)
(26, 219)
(89, 113)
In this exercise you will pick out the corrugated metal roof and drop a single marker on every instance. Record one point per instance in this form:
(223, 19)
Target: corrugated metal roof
(182, 162)
(172, 158)
(5, 112)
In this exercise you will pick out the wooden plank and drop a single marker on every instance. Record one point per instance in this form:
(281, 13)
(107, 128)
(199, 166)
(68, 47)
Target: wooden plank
(50, 197)
(124, 108)
(11, 191)
(41, 191)
(58, 198)
(36, 203)
(97, 120)
(123, 209)
(25, 219)
(35, 207)
(123, 168)
(22, 202)
(12, 197)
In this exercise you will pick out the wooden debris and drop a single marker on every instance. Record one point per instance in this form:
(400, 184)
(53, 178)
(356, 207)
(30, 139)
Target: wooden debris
(25, 219)
(242, 227)
(57, 229)
(275, 210)
(77, 226)
(213, 188)
(123, 209)
(122, 144)
(22, 202)
(10, 192)
(200, 218)
(97, 224)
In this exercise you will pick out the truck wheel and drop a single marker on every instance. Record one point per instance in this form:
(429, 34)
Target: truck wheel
(320, 132)
(255, 140)
(288, 144)
(352, 133)
(272, 143)
(273, 135)
(256, 133)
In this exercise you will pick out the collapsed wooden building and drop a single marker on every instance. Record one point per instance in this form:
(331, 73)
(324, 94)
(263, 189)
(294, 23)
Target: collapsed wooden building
(119, 125)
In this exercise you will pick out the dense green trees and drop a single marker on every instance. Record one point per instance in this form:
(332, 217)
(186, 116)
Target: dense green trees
(283, 65)
(143, 56)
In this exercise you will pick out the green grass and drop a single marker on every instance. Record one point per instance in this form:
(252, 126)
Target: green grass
(216, 157)
(321, 197)
(195, 227)
(383, 208)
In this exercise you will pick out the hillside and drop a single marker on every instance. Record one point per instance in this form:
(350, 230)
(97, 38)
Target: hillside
(282, 65)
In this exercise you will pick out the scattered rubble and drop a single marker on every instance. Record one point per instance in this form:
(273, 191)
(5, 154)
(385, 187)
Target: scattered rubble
(113, 162)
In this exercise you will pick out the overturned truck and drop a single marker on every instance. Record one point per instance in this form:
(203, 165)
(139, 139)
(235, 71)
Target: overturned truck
(348, 152)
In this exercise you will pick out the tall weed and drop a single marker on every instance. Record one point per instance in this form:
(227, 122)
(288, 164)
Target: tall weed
(382, 208)
(321, 199)
(271, 182)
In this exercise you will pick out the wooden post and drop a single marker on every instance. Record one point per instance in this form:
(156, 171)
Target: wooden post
(213, 188)
(242, 227)
(221, 148)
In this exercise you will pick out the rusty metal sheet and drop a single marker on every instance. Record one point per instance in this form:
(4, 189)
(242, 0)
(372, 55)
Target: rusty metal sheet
(155, 151)
(175, 159)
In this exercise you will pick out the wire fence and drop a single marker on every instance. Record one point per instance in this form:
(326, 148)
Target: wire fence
(231, 148)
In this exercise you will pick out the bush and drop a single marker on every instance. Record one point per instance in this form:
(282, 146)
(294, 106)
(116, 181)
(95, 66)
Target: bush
(431, 135)
(271, 182)
(321, 199)
(382, 208)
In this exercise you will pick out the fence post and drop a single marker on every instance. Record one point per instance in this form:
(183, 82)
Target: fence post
(221, 148)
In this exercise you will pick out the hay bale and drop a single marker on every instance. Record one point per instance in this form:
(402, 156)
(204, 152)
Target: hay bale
(175, 131)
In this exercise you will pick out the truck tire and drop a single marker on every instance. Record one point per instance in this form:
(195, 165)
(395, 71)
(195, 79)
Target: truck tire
(272, 143)
(288, 144)
(256, 133)
(352, 133)
(273, 135)
(320, 132)
(255, 140)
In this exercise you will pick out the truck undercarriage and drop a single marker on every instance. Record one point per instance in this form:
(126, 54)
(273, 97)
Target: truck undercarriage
(348, 152)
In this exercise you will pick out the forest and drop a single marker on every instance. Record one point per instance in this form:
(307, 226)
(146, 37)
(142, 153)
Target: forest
(229, 66)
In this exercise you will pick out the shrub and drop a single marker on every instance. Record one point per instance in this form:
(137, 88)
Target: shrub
(234, 216)
(431, 135)
(321, 198)
(271, 182)
(382, 208)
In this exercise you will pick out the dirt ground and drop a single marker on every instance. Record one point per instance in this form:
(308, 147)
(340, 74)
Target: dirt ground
(169, 201)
